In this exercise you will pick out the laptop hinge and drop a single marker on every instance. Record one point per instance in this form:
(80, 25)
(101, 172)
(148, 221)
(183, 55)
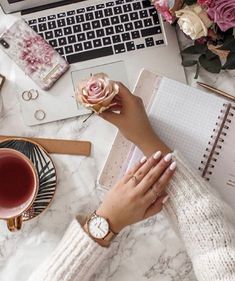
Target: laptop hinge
(48, 6)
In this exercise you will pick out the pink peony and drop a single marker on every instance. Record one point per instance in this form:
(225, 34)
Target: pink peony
(222, 12)
(167, 8)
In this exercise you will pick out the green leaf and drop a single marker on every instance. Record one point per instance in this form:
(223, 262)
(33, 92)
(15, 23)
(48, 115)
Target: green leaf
(230, 63)
(197, 71)
(187, 63)
(195, 49)
(190, 2)
(228, 45)
(212, 65)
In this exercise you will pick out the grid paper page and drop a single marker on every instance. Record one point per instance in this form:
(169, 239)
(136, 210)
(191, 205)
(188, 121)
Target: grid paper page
(184, 118)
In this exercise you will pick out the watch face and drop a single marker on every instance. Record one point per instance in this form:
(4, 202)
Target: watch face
(98, 227)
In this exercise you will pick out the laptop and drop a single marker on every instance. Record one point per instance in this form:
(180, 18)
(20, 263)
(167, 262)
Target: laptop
(119, 37)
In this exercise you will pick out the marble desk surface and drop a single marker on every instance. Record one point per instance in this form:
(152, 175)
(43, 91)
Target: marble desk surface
(148, 251)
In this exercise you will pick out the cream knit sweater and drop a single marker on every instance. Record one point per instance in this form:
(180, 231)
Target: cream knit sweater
(204, 223)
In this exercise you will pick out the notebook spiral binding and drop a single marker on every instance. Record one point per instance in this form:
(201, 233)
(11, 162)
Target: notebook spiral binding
(217, 138)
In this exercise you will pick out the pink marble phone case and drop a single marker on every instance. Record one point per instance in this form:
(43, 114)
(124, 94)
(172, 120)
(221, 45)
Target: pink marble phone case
(33, 54)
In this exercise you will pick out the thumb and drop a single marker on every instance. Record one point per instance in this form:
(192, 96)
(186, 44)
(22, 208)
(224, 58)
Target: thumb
(111, 117)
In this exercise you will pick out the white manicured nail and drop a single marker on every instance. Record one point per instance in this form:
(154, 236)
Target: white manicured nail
(173, 166)
(143, 159)
(157, 155)
(165, 199)
(168, 157)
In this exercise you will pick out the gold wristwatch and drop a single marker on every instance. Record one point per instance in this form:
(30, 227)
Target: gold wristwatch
(99, 229)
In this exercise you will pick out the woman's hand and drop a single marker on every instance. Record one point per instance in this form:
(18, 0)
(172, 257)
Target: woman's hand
(140, 193)
(133, 122)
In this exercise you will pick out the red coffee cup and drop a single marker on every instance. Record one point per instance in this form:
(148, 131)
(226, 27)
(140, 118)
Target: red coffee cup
(18, 186)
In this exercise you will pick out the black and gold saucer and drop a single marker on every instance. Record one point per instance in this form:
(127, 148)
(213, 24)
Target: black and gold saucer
(45, 169)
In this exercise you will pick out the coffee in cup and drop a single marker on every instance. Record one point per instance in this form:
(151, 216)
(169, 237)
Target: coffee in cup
(18, 186)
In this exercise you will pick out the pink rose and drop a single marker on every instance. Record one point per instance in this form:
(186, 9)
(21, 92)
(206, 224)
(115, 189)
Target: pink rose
(167, 8)
(97, 93)
(222, 12)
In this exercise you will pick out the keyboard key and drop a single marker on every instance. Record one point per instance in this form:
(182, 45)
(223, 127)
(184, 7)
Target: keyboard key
(159, 42)
(152, 11)
(51, 24)
(134, 16)
(60, 50)
(89, 16)
(86, 26)
(149, 42)
(95, 24)
(70, 13)
(88, 55)
(42, 19)
(146, 4)
(143, 13)
(32, 21)
(80, 18)
(151, 31)
(100, 6)
(78, 47)
(119, 2)
(42, 27)
(100, 33)
(109, 30)
(81, 37)
(136, 6)
(58, 32)
(70, 20)
(119, 48)
(41, 34)
(108, 12)
(129, 26)
(140, 46)
(116, 39)
(110, 4)
(62, 41)
(107, 41)
(155, 18)
(35, 28)
(130, 46)
(99, 14)
(67, 30)
(72, 39)
(119, 28)
(135, 34)
(117, 10)
(61, 22)
(91, 8)
(138, 24)
(90, 35)
(68, 49)
(53, 43)
(49, 35)
(77, 28)
(126, 37)
(51, 17)
(127, 8)
(87, 45)
(97, 43)
(115, 20)
(148, 22)
(105, 22)
(124, 18)
(80, 11)
(61, 15)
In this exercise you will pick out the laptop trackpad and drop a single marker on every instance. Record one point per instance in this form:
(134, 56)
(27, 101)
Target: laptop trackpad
(115, 70)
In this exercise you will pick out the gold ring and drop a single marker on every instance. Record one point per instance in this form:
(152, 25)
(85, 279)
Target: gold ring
(134, 178)
(34, 94)
(40, 114)
(26, 95)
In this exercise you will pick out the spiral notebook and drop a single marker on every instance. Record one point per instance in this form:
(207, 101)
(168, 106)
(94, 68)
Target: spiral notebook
(200, 125)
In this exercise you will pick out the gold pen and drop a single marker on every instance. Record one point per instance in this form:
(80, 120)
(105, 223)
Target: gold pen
(216, 91)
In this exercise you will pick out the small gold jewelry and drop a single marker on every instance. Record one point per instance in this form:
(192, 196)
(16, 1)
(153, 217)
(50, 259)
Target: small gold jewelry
(40, 114)
(135, 180)
(26, 95)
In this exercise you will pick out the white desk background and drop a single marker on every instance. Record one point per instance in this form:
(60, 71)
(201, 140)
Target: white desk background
(150, 252)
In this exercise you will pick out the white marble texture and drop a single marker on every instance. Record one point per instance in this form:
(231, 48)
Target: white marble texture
(147, 251)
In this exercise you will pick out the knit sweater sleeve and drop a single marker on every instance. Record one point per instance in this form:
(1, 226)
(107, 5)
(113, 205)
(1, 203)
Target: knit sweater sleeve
(205, 224)
(77, 257)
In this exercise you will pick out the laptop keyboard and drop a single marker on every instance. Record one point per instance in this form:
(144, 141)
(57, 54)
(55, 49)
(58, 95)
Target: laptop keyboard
(101, 30)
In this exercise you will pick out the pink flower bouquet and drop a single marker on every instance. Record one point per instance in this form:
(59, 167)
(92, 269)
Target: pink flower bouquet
(209, 23)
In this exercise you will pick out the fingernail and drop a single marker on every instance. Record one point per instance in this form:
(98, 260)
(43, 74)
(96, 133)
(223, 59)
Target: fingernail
(173, 166)
(157, 155)
(165, 199)
(168, 157)
(143, 159)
